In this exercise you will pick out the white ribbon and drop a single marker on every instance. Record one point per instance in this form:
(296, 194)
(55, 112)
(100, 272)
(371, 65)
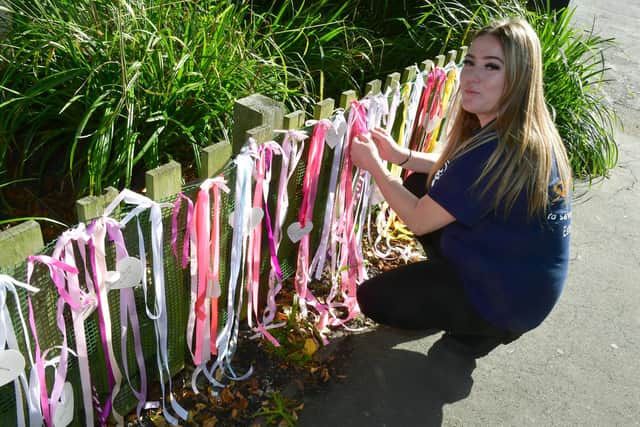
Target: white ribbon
(292, 150)
(85, 305)
(318, 262)
(159, 317)
(8, 340)
(226, 341)
(393, 108)
(412, 107)
(98, 231)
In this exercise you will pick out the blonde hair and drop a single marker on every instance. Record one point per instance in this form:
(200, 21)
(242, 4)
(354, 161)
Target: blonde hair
(528, 141)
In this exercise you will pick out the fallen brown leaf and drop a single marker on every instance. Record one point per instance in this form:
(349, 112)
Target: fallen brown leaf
(240, 402)
(325, 375)
(310, 346)
(226, 396)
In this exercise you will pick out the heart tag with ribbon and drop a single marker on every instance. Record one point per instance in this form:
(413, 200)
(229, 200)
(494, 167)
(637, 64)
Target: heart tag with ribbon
(296, 232)
(255, 217)
(63, 415)
(336, 131)
(11, 366)
(214, 290)
(434, 122)
(128, 274)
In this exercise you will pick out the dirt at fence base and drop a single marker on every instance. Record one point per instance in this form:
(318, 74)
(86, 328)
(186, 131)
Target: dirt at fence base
(272, 393)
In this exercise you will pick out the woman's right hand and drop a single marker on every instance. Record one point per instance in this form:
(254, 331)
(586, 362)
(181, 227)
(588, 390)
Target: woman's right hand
(388, 149)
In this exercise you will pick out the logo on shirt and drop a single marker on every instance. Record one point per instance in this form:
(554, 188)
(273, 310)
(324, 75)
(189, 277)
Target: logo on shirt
(439, 173)
(558, 192)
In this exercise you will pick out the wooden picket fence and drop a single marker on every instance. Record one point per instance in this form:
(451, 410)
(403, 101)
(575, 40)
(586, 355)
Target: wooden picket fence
(255, 116)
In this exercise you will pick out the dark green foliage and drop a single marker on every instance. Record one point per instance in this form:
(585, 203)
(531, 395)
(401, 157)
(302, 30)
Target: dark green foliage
(93, 93)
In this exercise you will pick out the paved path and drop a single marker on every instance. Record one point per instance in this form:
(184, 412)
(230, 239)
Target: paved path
(582, 366)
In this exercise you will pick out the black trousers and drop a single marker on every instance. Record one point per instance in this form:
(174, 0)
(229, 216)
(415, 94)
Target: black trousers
(426, 294)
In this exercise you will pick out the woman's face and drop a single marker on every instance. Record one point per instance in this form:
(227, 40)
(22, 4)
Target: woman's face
(482, 79)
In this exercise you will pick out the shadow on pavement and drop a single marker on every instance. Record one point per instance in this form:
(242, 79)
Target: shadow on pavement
(389, 384)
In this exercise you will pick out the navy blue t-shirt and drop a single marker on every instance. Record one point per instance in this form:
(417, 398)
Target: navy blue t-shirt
(514, 268)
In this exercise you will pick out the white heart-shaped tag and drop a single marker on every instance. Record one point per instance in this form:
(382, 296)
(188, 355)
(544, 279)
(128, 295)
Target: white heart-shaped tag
(434, 122)
(128, 274)
(63, 414)
(296, 232)
(336, 132)
(254, 219)
(11, 365)
(213, 289)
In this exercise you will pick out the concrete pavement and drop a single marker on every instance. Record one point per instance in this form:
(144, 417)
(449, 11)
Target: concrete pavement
(581, 367)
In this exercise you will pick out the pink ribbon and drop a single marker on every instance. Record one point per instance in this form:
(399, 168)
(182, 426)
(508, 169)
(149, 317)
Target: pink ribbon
(202, 326)
(428, 109)
(328, 230)
(208, 259)
(260, 200)
(129, 315)
(83, 305)
(350, 254)
(98, 268)
(48, 407)
(309, 192)
(292, 149)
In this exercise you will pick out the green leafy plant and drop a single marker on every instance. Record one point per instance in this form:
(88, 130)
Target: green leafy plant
(33, 218)
(116, 88)
(574, 69)
(321, 37)
(279, 410)
(292, 336)
(124, 86)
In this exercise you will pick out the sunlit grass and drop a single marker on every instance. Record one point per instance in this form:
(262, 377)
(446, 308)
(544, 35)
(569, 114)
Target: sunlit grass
(115, 88)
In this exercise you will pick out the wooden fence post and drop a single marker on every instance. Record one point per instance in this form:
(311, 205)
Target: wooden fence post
(18, 242)
(214, 158)
(392, 81)
(427, 65)
(373, 87)
(463, 53)
(93, 206)
(451, 56)
(255, 116)
(164, 181)
(346, 97)
(323, 109)
(408, 74)
(294, 120)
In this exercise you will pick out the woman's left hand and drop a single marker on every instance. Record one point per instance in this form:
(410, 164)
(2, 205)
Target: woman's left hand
(364, 152)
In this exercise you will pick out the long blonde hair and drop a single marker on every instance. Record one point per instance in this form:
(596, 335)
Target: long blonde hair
(528, 140)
